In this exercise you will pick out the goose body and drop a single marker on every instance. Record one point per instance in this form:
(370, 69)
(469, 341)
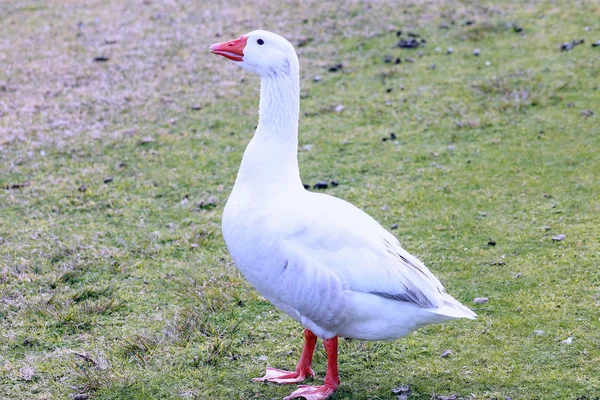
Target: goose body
(319, 259)
(331, 267)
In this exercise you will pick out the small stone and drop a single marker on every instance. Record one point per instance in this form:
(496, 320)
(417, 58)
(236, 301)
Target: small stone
(446, 353)
(476, 52)
(391, 137)
(410, 60)
(546, 227)
(411, 43)
(196, 107)
(16, 186)
(568, 340)
(444, 26)
(450, 147)
(491, 243)
(317, 78)
(518, 309)
(263, 358)
(587, 113)
(336, 67)
(487, 63)
(480, 300)
(517, 275)
(400, 390)
(307, 147)
(321, 185)
(518, 28)
(82, 188)
(388, 59)
(303, 42)
(449, 51)
(539, 332)
(451, 397)
(108, 179)
(147, 139)
(469, 22)
(339, 108)
(558, 238)
(394, 227)
(335, 183)
(568, 46)
(207, 204)
(482, 214)
(596, 44)
(432, 66)
(81, 396)
(587, 29)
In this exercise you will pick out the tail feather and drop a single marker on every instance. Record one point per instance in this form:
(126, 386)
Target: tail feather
(452, 308)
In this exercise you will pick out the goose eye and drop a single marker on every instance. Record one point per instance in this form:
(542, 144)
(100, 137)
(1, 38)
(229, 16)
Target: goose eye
(260, 42)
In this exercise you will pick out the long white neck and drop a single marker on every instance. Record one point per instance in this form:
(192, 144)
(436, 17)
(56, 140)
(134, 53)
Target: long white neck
(271, 157)
(279, 106)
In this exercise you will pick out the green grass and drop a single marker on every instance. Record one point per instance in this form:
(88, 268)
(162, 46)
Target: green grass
(125, 290)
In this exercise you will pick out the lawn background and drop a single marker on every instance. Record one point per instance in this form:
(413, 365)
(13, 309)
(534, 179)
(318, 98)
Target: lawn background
(120, 138)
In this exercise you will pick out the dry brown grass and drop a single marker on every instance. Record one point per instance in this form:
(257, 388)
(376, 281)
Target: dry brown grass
(52, 90)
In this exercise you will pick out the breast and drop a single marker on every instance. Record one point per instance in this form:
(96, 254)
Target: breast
(249, 241)
(310, 294)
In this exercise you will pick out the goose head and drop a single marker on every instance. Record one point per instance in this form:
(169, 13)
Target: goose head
(261, 52)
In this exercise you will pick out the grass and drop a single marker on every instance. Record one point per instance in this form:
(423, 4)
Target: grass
(122, 288)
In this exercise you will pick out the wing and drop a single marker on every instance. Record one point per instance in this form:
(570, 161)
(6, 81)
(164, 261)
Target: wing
(336, 236)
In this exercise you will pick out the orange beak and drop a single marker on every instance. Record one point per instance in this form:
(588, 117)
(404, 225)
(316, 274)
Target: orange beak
(234, 49)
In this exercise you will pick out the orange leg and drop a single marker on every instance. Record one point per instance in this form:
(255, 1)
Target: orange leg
(303, 369)
(332, 380)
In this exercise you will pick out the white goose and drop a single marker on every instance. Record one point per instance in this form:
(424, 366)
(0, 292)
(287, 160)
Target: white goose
(319, 259)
